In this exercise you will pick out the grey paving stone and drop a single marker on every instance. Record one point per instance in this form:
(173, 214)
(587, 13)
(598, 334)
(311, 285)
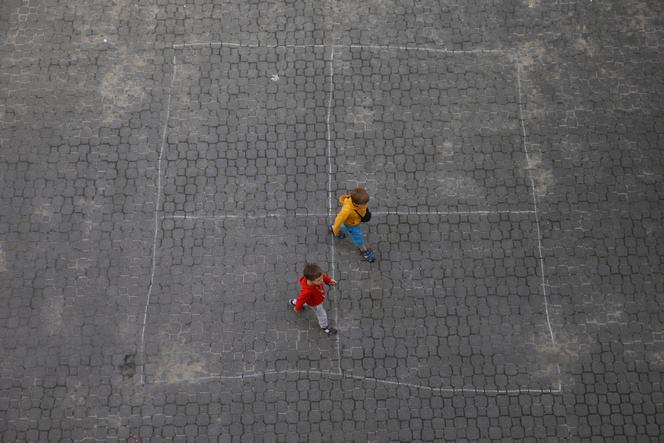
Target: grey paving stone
(453, 301)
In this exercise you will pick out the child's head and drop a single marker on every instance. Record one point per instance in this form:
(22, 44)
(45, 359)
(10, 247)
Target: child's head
(313, 273)
(359, 196)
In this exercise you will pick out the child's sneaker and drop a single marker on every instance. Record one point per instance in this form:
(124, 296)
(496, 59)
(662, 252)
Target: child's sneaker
(329, 331)
(368, 255)
(341, 235)
(291, 304)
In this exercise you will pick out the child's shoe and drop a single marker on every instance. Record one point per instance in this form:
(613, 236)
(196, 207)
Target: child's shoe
(291, 304)
(341, 235)
(368, 255)
(329, 331)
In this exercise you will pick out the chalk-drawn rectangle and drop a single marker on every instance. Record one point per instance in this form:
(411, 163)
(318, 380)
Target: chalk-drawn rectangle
(429, 131)
(450, 302)
(247, 131)
(219, 303)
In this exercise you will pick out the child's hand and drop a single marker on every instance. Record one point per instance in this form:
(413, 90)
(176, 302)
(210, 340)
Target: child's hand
(333, 282)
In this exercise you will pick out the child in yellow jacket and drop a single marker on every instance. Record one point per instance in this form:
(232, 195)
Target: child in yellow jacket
(353, 211)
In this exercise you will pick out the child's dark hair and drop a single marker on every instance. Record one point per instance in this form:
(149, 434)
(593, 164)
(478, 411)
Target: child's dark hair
(312, 271)
(359, 196)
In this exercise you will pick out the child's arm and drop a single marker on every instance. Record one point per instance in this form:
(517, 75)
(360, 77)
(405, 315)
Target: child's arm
(301, 300)
(341, 217)
(329, 280)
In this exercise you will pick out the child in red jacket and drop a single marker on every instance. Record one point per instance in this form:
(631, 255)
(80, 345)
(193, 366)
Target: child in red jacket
(312, 294)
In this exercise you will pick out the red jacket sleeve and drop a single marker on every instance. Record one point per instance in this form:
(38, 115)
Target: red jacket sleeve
(301, 300)
(327, 279)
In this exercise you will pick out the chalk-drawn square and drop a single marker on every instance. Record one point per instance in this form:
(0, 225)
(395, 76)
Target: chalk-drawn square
(429, 131)
(451, 302)
(219, 306)
(246, 133)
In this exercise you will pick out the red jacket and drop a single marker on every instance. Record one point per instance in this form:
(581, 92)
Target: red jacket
(312, 295)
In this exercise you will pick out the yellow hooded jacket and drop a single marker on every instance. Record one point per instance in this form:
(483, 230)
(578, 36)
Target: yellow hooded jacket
(347, 215)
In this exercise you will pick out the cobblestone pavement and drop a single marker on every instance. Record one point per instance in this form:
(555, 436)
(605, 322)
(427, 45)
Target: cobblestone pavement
(167, 166)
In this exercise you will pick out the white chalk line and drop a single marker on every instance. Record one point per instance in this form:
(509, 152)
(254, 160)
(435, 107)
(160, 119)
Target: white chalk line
(240, 216)
(329, 155)
(333, 251)
(347, 46)
(241, 45)
(426, 49)
(452, 213)
(156, 224)
(328, 214)
(397, 383)
(537, 224)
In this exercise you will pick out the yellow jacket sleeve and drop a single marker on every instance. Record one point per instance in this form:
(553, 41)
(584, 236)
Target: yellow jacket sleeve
(341, 217)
